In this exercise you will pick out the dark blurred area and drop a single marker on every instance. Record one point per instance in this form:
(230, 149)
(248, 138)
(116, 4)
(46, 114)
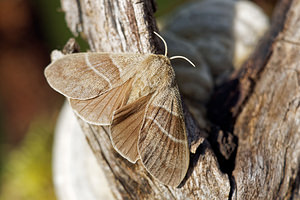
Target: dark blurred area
(29, 31)
(266, 5)
(23, 56)
(28, 107)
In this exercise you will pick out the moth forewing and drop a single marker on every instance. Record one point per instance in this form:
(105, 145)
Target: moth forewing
(162, 144)
(87, 75)
(74, 77)
(99, 110)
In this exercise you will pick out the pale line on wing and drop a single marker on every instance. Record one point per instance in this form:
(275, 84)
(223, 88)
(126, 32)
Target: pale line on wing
(95, 70)
(88, 69)
(167, 109)
(166, 132)
(115, 64)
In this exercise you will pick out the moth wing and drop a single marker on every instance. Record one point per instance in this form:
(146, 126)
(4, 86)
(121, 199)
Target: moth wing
(126, 126)
(87, 75)
(162, 145)
(99, 110)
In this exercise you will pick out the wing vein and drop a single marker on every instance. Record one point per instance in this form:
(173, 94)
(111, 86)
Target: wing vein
(156, 158)
(84, 107)
(133, 142)
(131, 132)
(133, 119)
(100, 113)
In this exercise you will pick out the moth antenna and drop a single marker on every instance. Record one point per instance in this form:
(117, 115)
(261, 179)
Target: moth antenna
(166, 50)
(166, 47)
(173, 57)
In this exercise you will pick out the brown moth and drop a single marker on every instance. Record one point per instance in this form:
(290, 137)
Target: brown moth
(137, 96)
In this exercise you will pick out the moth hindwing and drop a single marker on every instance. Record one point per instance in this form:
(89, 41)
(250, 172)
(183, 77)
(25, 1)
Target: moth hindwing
(137, 96)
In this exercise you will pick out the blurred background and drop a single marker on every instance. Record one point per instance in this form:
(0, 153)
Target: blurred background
(29, 31)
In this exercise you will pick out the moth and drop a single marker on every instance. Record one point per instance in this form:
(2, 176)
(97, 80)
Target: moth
(137, 96)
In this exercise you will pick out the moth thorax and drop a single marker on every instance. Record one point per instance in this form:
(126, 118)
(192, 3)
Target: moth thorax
(157, 73)
(141, 87)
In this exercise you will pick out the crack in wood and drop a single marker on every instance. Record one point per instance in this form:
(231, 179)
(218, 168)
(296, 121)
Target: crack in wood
(80, 26)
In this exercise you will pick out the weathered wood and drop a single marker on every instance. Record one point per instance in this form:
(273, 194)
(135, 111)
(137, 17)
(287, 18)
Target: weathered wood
(75, 168)
(268, 126)
(262, 110)
(117, 26)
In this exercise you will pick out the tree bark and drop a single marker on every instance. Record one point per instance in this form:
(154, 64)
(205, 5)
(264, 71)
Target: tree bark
(262, 111)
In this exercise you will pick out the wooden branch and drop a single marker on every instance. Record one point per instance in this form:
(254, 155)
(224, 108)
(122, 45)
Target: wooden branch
(117, 26)
(261, 108)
